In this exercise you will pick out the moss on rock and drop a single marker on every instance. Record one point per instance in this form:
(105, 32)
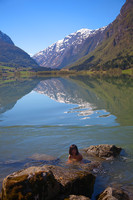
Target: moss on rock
(34, 185)
(45, 183)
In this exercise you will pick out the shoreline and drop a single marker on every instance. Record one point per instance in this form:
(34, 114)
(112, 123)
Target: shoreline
(95, 167)
(29, 72)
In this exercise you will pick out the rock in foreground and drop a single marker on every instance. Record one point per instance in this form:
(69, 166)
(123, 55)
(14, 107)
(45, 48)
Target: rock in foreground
(32, 183)
(104, 151)
(73, 181)
(113, 194)
(46, 183)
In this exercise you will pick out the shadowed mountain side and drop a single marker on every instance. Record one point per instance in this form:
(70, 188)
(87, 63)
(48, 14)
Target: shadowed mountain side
(10, 55)
(5, 38)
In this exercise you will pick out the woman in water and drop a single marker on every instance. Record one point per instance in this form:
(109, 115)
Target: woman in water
(74, 154)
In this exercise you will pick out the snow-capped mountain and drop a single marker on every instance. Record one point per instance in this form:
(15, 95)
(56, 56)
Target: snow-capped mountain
(69, 49)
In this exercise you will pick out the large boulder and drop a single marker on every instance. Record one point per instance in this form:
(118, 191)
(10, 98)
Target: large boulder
(73, 181)
(45, 183)
(113, 194)
(32, 183)
(104, 151)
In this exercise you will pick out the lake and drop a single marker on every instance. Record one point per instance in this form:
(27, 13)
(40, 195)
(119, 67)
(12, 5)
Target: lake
(44, 116)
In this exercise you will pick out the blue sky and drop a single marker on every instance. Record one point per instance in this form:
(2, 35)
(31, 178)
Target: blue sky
(33, 25)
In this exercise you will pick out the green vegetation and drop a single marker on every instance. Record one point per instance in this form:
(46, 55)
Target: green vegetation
(6, 71)
(30, 72)
(128, 72)
(116, 51)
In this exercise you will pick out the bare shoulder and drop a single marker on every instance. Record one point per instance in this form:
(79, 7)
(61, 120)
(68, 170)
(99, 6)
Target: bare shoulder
(80, 156)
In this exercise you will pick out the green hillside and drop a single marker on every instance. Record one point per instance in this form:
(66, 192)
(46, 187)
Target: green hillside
(12, 56)
(116, 50)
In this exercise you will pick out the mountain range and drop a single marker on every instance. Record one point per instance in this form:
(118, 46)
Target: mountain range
(11, 55)
(70, 49)
(104, 48)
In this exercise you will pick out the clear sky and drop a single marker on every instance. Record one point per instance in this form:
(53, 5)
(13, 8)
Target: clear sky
(33, 25)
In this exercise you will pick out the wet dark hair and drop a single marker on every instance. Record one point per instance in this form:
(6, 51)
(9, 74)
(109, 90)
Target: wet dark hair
(73, 146)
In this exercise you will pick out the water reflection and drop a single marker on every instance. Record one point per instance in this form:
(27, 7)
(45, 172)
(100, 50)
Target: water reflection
(111, 94)
(13, 90)
(99, 96)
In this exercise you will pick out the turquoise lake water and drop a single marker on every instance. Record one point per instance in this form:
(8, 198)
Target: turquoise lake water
(41, 117)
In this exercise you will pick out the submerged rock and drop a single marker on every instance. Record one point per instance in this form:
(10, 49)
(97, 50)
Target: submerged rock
(95, 167)
(113, 194)
(104, 151)
(75, 197)
(46, 183)
(44, 157)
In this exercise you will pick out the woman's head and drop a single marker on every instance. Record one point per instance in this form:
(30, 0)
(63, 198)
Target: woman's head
(73, 150)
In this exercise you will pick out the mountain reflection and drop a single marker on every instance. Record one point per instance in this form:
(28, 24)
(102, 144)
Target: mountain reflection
(89, 94)
(67, 91)
(13, 90)
(113, 94)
